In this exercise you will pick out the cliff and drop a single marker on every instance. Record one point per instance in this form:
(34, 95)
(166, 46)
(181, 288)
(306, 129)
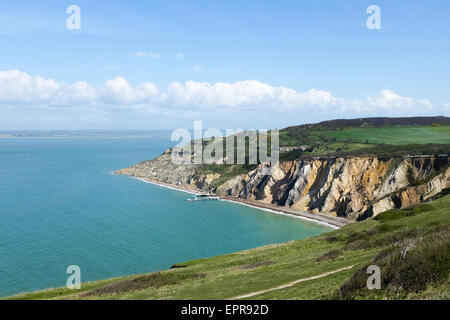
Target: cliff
(354, 188)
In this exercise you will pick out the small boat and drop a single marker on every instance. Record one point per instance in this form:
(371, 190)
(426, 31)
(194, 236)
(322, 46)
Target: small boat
(203, 196)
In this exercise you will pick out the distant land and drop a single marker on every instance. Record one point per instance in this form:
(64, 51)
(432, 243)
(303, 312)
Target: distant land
(83, 133)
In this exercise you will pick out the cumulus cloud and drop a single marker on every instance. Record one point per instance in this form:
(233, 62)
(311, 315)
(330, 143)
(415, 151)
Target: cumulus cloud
(21, 90)
(243, 95)
(386, 101)
(119, 91)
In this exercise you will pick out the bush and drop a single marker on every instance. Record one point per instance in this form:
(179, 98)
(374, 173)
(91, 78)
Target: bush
(333, 238)
(407, 268)
(156, 279)
(395, 214)
(383, 228)
(333, 254)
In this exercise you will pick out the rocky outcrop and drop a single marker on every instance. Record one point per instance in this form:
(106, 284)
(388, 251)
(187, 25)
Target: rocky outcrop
(354, 188)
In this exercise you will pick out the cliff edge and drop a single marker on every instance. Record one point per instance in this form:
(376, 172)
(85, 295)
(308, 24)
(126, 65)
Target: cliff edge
(354, 188)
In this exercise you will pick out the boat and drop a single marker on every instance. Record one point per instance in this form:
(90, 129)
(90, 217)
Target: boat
(203, 196)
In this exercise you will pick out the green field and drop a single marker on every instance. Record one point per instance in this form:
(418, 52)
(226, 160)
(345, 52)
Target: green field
(393, 135)
(413, 243)
(376, 141)
(362, 141)
(371, 137)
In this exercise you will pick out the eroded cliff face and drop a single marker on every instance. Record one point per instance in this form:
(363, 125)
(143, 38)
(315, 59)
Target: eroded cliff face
(163, 169)
(355, 188)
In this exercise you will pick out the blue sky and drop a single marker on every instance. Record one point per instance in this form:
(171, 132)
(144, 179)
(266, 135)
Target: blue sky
(280, 63)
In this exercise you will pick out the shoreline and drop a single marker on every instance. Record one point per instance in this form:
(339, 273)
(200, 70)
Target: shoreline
(319, 218)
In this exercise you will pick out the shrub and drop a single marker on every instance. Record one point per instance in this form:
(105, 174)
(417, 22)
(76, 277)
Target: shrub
(333, 254)
(410, 267)
(395, 214)
(156, 279)
(333, 238)
(385, 228)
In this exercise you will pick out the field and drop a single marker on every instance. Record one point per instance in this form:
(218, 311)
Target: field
(392, 135)
(374, 141)
(366, 141)
(373, 137)
(413, 243)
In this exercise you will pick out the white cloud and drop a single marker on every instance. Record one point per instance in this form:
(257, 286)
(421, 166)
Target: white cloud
(119, 91)
(147, 55)
(248, 95)
(20, 88)
(20, 91)
(179, 56)
(386, 101)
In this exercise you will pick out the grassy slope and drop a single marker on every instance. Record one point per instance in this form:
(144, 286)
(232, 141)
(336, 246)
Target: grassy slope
(383, 141)
(346, 139)
(394, 135)
(382, 134)
(240, 273)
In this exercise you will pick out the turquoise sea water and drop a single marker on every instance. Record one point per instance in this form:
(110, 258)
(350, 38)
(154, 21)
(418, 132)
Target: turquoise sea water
(60, 205)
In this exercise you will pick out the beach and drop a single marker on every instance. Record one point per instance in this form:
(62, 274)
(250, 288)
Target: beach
(331, 221)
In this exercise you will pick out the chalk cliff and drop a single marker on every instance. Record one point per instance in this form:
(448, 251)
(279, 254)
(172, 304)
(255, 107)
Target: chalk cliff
(354, 188)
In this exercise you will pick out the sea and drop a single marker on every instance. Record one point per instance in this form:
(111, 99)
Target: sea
(61, 205)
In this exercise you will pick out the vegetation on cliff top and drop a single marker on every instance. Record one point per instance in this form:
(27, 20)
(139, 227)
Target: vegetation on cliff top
(411, 247)
(374, 137)
(392, 140)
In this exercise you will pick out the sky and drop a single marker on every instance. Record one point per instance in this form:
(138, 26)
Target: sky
(247, 64)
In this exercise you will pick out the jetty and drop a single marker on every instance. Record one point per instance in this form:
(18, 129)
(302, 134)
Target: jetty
(203, 196)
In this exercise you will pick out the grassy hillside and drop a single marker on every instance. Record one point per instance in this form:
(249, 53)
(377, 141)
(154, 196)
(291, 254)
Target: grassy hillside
(368, 140)
(378, 137)
(392, 135)
(411, 247)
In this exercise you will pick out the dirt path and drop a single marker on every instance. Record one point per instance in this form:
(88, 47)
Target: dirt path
(290, 284)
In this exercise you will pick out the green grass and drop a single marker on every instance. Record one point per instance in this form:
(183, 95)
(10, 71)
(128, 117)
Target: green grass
(266, 267)
(395, 214)
(377, 141)
(418, 259)
(398, 135)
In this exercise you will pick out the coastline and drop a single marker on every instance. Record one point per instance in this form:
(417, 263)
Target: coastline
(319, 218)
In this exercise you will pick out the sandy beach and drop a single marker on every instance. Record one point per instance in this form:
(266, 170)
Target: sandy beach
(334, 222)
